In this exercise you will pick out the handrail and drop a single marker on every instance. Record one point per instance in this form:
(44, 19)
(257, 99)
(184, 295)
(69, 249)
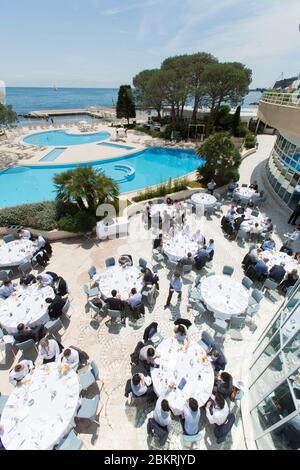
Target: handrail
(282, 99)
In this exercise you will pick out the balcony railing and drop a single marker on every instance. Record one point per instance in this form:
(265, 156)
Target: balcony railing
(282, 99)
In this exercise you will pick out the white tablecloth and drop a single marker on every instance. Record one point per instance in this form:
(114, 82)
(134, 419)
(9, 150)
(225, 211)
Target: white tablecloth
(163, 208)
(121, 279)
(251, 221)
(27, 306)
(224, 296)
(38, 414)
(207, 200)
(175, 364)
(244, 193)
(16, 252)
(179, 246)
(280, 257)
(119, 226)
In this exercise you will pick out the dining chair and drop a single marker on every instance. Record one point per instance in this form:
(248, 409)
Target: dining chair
(4, 275)
(90, 291)
(190, 441)
(113, 315)
(25, 268)
(54, 326)
(228, 270)
(8, 238)
(109, 262)
(70, 442)
(92, 271)
(3, 400)
(88, 409)
(26, 345)
(247, 282)
(172, 265)
(66, 308)
(142, 263)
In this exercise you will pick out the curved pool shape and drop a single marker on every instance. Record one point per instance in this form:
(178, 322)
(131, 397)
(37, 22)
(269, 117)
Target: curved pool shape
(20, 185)
(61, 138)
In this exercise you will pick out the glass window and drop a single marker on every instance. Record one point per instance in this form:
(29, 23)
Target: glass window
(266, 356)
(295, 383)
(285, 437)
(268, 335)
(268, 380)
(276, 406)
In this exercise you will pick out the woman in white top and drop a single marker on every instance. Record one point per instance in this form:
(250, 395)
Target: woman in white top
(48, 350)
(71, 357)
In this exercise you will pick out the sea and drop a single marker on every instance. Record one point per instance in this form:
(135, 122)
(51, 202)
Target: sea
(25, 99)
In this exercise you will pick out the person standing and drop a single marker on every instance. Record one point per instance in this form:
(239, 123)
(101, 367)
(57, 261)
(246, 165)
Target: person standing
(175, 286)
(293, 219)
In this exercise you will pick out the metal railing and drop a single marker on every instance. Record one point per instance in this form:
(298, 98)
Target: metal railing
(282, 99)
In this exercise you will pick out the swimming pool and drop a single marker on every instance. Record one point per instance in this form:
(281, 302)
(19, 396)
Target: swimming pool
(53, 155)
(61, 138)
(116, 146)
(20, 185)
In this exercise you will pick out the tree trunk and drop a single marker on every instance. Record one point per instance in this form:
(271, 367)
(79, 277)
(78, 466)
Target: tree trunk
(81, 204)
(195, 110)
(158, 113)
(173, 117)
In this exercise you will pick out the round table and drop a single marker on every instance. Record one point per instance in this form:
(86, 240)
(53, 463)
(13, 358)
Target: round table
(244, 193)
(207, 200)
(251, 221)
(121, 279)
(277, 257)
(39, 413)
(179, 246)
(224, 296)
(27, 305)
(175, 364)
(16, 252)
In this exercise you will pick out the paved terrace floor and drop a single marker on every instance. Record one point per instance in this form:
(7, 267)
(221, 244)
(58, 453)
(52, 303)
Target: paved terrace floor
(123, 426)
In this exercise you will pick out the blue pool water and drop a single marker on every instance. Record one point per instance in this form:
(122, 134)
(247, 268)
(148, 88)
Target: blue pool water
(116, 146)
(57, 138)
(20, 185)
(53, 155)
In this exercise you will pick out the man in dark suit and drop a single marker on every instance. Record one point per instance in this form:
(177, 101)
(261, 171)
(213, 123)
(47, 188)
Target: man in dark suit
(114, 302)
(218, 358)
(55, 307)
(61, 287)
(201, 258)
(25, 333)
(277, 273)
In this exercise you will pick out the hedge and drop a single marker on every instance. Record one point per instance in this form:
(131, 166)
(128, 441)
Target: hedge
(162, 190)
(42, 215)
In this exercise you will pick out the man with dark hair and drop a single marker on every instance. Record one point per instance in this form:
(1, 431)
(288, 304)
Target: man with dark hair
(149, 277)
(217, 410)
(158, 242)
(135, 298)
(19, 372)
(25, 333)
(142, 385)
(161, 422)
(148, 355)
(55, 307)
(217, 357)
(6, 289)
(71, 357)
(224, 384)
(114, 302)
(175, 286)
(186, 261)
(191, 417)
(294, 217)
(201, 258)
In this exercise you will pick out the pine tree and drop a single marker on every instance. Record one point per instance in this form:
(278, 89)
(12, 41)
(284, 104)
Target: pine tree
(125, 105)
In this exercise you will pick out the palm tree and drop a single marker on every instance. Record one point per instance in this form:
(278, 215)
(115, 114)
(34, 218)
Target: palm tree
(86, 186)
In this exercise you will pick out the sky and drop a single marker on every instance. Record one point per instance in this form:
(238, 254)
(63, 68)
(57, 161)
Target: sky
(104, 43)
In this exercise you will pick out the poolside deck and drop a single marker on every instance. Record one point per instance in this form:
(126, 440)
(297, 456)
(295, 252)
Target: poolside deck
(97, 113)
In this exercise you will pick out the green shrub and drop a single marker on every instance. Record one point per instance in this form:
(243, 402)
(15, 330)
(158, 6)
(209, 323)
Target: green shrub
(240, 131)
(155, 134)
(42, 215)
(250, 140)
(80, 222)
(162, 190)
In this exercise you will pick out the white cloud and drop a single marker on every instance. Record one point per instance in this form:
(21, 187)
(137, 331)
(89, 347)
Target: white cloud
(127, 7)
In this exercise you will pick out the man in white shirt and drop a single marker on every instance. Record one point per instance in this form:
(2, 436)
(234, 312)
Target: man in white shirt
(210, 248)
(44, 280)
(18, 373)
(148, 355)
(141, 385)
(162, 414)
(135, 298)
(71, 357)
(191, 415)
(40, 243)
(24, 234)
(198, 237)
(292, 236)
(48, 350)
(217, 410)
(6, 289)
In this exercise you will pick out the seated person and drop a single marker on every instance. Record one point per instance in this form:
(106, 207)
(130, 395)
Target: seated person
(114, 302)
(210, 249)
(289, 280)
(169, 201)
(224, 384)
(293, 236)
(71, 357)
(148, 355)
(25, 333)
(201, 258)
(149, 277)
(277, 273)
(255, 229)
(231, 186)
(40, 244)
(141, 385)
(44, 280)
(231, 211)
(255, 197)
(19, 372)
(286, 249)
(217, 358)
(267, 225)
(297, 256)
(180, 334)
(158, 242)
(238, 222)
(217, 410)
(60, 286)
(135, 298)
(268, 245)
(55, 307)
(49, 350)
(125, 260)
(162, 414)
(27, 280)
(7, 289)
(261, 267)
(24, 234)
(53, 275)
(186, 261)
(211, 186)
(198, 237)
(254, 186)
(191, 417)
